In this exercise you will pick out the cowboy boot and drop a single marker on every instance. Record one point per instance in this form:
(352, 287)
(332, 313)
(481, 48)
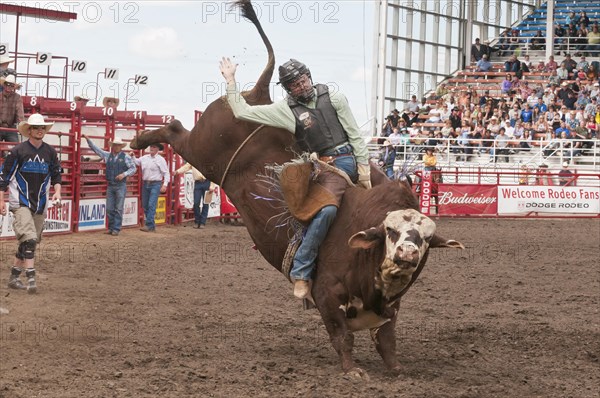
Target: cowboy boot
(31, 286)
(14, 282)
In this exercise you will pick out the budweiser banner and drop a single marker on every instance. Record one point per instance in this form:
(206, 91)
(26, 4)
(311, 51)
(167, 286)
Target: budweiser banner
(458, 199)
(548, 199)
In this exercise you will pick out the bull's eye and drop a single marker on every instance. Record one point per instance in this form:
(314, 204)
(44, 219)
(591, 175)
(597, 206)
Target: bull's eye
(392, 234)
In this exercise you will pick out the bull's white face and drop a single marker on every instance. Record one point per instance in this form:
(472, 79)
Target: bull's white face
(406, 235)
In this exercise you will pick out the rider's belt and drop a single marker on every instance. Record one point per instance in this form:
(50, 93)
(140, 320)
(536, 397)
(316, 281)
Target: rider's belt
(330, 159)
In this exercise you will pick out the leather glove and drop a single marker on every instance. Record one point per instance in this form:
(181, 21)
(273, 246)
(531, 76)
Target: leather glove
(364, 175)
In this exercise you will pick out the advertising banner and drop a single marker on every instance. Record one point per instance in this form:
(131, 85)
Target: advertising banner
(92, 214)
(548, 199)
(227, 206)
(58, 219)
(161, 211)
(459, 199)
(130, 211)
(426, 190)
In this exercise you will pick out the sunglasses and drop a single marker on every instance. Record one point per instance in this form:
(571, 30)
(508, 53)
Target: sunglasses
(9, 84)
(37, 127)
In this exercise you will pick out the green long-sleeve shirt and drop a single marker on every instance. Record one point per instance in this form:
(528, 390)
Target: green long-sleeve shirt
(280, 115)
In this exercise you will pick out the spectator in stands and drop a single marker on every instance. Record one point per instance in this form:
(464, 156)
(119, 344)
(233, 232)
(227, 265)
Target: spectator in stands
(483, 65)
(487, 49)
(455, 118)
(501, 145)
(11, 109)
(386, 130)
(441, 91)
(569, 64)
(30, 169)
(538, 42)
(506, 85)
(487, 142)
(583, 19)
(592, 73)
(156, 177)
(524, 90)
(515, 42)
(566, 176)
(396, 138)
(413, 105)
(119, 166)
(527, 114)
(541, 67)
(202, 185)
(411, 118)
(571, 18)
(581, 42)
(424, 108)
(504, 43)
(541, 106)
(571, 37)
(447, 129)
(551, 65)
(429, 159)
(512, 64)
(394, 117)
(593, 42)
(590, 109)
(387, 157)
(476, 51)
(583, 64)
(559, 33)
(525, 140)
(562, 73)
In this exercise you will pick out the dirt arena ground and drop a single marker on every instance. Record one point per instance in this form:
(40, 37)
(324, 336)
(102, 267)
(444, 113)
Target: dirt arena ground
(197, 313)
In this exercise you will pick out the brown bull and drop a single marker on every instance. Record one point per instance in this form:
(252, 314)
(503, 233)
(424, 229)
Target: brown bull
(353, 289)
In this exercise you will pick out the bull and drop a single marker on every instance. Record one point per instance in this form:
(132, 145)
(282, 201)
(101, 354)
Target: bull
(369, 259)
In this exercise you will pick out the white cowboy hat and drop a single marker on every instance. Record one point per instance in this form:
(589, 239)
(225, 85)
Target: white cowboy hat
(5, 59)
(8, 79)
(34, 120)
(117, 141)
(106, 99)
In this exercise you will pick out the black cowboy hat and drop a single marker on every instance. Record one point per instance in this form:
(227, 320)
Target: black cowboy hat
(160, 146)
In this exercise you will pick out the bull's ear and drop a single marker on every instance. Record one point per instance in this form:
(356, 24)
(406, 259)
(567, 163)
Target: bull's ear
(366, 239)
(438, 241)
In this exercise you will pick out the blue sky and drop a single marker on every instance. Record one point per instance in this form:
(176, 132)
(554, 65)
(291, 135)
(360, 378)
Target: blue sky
(178, 44)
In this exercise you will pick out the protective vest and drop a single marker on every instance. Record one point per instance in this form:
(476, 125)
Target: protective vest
(116, 165)
(319, 129)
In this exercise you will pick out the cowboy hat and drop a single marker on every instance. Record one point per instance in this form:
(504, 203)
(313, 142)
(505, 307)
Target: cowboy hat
(160, 146)
(117, 141)
(80, 98)
(8, 79)
(34, 120)
(106, 99)
(5, 59)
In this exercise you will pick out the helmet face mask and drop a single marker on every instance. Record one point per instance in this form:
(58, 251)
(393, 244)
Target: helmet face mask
(296, 79)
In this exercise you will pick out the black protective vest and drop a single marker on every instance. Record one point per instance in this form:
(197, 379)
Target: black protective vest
(319, 129)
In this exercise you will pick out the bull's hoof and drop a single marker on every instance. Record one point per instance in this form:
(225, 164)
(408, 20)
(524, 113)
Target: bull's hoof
(396, 370)
(357, 374)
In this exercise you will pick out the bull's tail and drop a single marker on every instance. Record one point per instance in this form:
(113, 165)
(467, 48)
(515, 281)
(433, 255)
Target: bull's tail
(260, 92)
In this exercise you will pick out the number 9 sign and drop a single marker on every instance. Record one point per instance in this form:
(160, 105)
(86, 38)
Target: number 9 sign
(44, 58)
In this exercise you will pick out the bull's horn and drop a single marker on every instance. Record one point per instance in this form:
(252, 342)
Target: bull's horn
(438, 241)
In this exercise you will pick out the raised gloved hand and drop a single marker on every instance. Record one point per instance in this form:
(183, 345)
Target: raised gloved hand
(364, 175)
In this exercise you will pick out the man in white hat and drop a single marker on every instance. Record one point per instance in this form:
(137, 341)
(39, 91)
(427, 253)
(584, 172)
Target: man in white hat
(29, 170)
(11, 110)
(565, 176)
(5, 60)
(119, 166)
(156, 177)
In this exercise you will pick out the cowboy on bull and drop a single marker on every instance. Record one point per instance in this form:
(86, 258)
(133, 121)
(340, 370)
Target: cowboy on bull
(323, 123)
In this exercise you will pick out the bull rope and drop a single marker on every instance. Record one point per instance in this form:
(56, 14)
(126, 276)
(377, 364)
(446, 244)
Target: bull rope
(238, 151)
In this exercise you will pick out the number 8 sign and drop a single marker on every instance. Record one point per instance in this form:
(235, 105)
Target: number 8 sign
(44, 58)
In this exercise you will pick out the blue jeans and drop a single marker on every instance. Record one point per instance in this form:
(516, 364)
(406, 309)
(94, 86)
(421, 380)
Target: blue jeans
(304, 260)
(115, 201)
(150, 192)
(200, 188)
(345, 163)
